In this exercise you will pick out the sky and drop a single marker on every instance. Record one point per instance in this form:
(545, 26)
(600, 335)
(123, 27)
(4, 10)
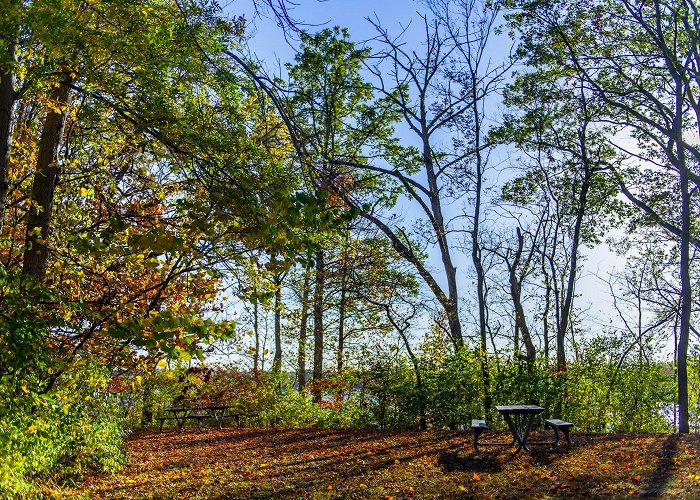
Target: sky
(312, 14)
(269, 44)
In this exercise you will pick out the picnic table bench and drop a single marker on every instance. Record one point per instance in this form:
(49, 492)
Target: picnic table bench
(216, 413)
(559, 425)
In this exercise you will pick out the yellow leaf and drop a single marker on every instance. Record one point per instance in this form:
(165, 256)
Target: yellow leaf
(476, 477)
(24, 388)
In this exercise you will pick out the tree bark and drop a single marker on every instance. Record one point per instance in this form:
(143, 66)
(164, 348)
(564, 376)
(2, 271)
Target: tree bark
(8, 100)
(301, 358)
(686, 287)
(515, 293)
(318, 325)
(476, 245)
(341, 328)
(547, 306)
(277, 361)
(256, 334)
(44, 185)
(581, 206)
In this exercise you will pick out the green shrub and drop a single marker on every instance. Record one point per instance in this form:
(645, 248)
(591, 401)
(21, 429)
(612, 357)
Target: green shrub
(453, 389)
(58, 435)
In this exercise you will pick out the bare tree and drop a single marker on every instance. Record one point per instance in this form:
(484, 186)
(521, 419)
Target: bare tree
(415, 85)
(471, 26)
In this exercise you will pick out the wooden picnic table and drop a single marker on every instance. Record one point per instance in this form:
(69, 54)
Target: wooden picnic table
(216, 413)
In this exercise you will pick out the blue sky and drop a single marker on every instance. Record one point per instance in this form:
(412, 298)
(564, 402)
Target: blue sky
(269, 42)
(270, 45)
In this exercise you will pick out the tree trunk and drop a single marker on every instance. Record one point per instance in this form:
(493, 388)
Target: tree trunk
(515, 293)
(476, 247)
(341, 328)
(318, 325)
(256, 333)
(148, 393)
(277, 361)
(341, 336)
(686, 287)
(545, 312)
(451, 304)
(8, 99)
(44, 185)
(565, 317)
(301, 370)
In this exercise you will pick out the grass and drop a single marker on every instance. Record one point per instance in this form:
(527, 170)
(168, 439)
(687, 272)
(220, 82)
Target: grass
(293, 463)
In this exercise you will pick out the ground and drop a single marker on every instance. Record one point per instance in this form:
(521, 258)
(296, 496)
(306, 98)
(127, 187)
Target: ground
(292, 463)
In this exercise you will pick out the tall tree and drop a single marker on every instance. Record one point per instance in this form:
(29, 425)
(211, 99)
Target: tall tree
(416, 89)
(134, 238)
(333, 119)
(641, 59)
(564, 183)
(471, 25)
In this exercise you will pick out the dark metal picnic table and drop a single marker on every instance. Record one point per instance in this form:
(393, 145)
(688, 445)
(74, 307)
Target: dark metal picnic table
(216, 413)
(519, 419)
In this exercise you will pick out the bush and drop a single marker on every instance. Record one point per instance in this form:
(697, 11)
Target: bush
(268, 399)
(454, 389)
(77, 426)
(604, 394)
(594, 392)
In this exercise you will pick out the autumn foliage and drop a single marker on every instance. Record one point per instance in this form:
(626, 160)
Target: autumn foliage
(282, 463)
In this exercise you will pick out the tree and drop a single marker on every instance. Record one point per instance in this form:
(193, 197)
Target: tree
(565, 182)
(518, 261)
(114, 211)
(333, 119)
(416, 92)
(471, 25)
(641, 60)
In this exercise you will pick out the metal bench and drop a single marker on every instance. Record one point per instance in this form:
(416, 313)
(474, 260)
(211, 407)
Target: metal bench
(478, 426)
(559, 426)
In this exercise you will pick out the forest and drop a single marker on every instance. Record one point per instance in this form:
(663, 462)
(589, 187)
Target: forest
(483, 202)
